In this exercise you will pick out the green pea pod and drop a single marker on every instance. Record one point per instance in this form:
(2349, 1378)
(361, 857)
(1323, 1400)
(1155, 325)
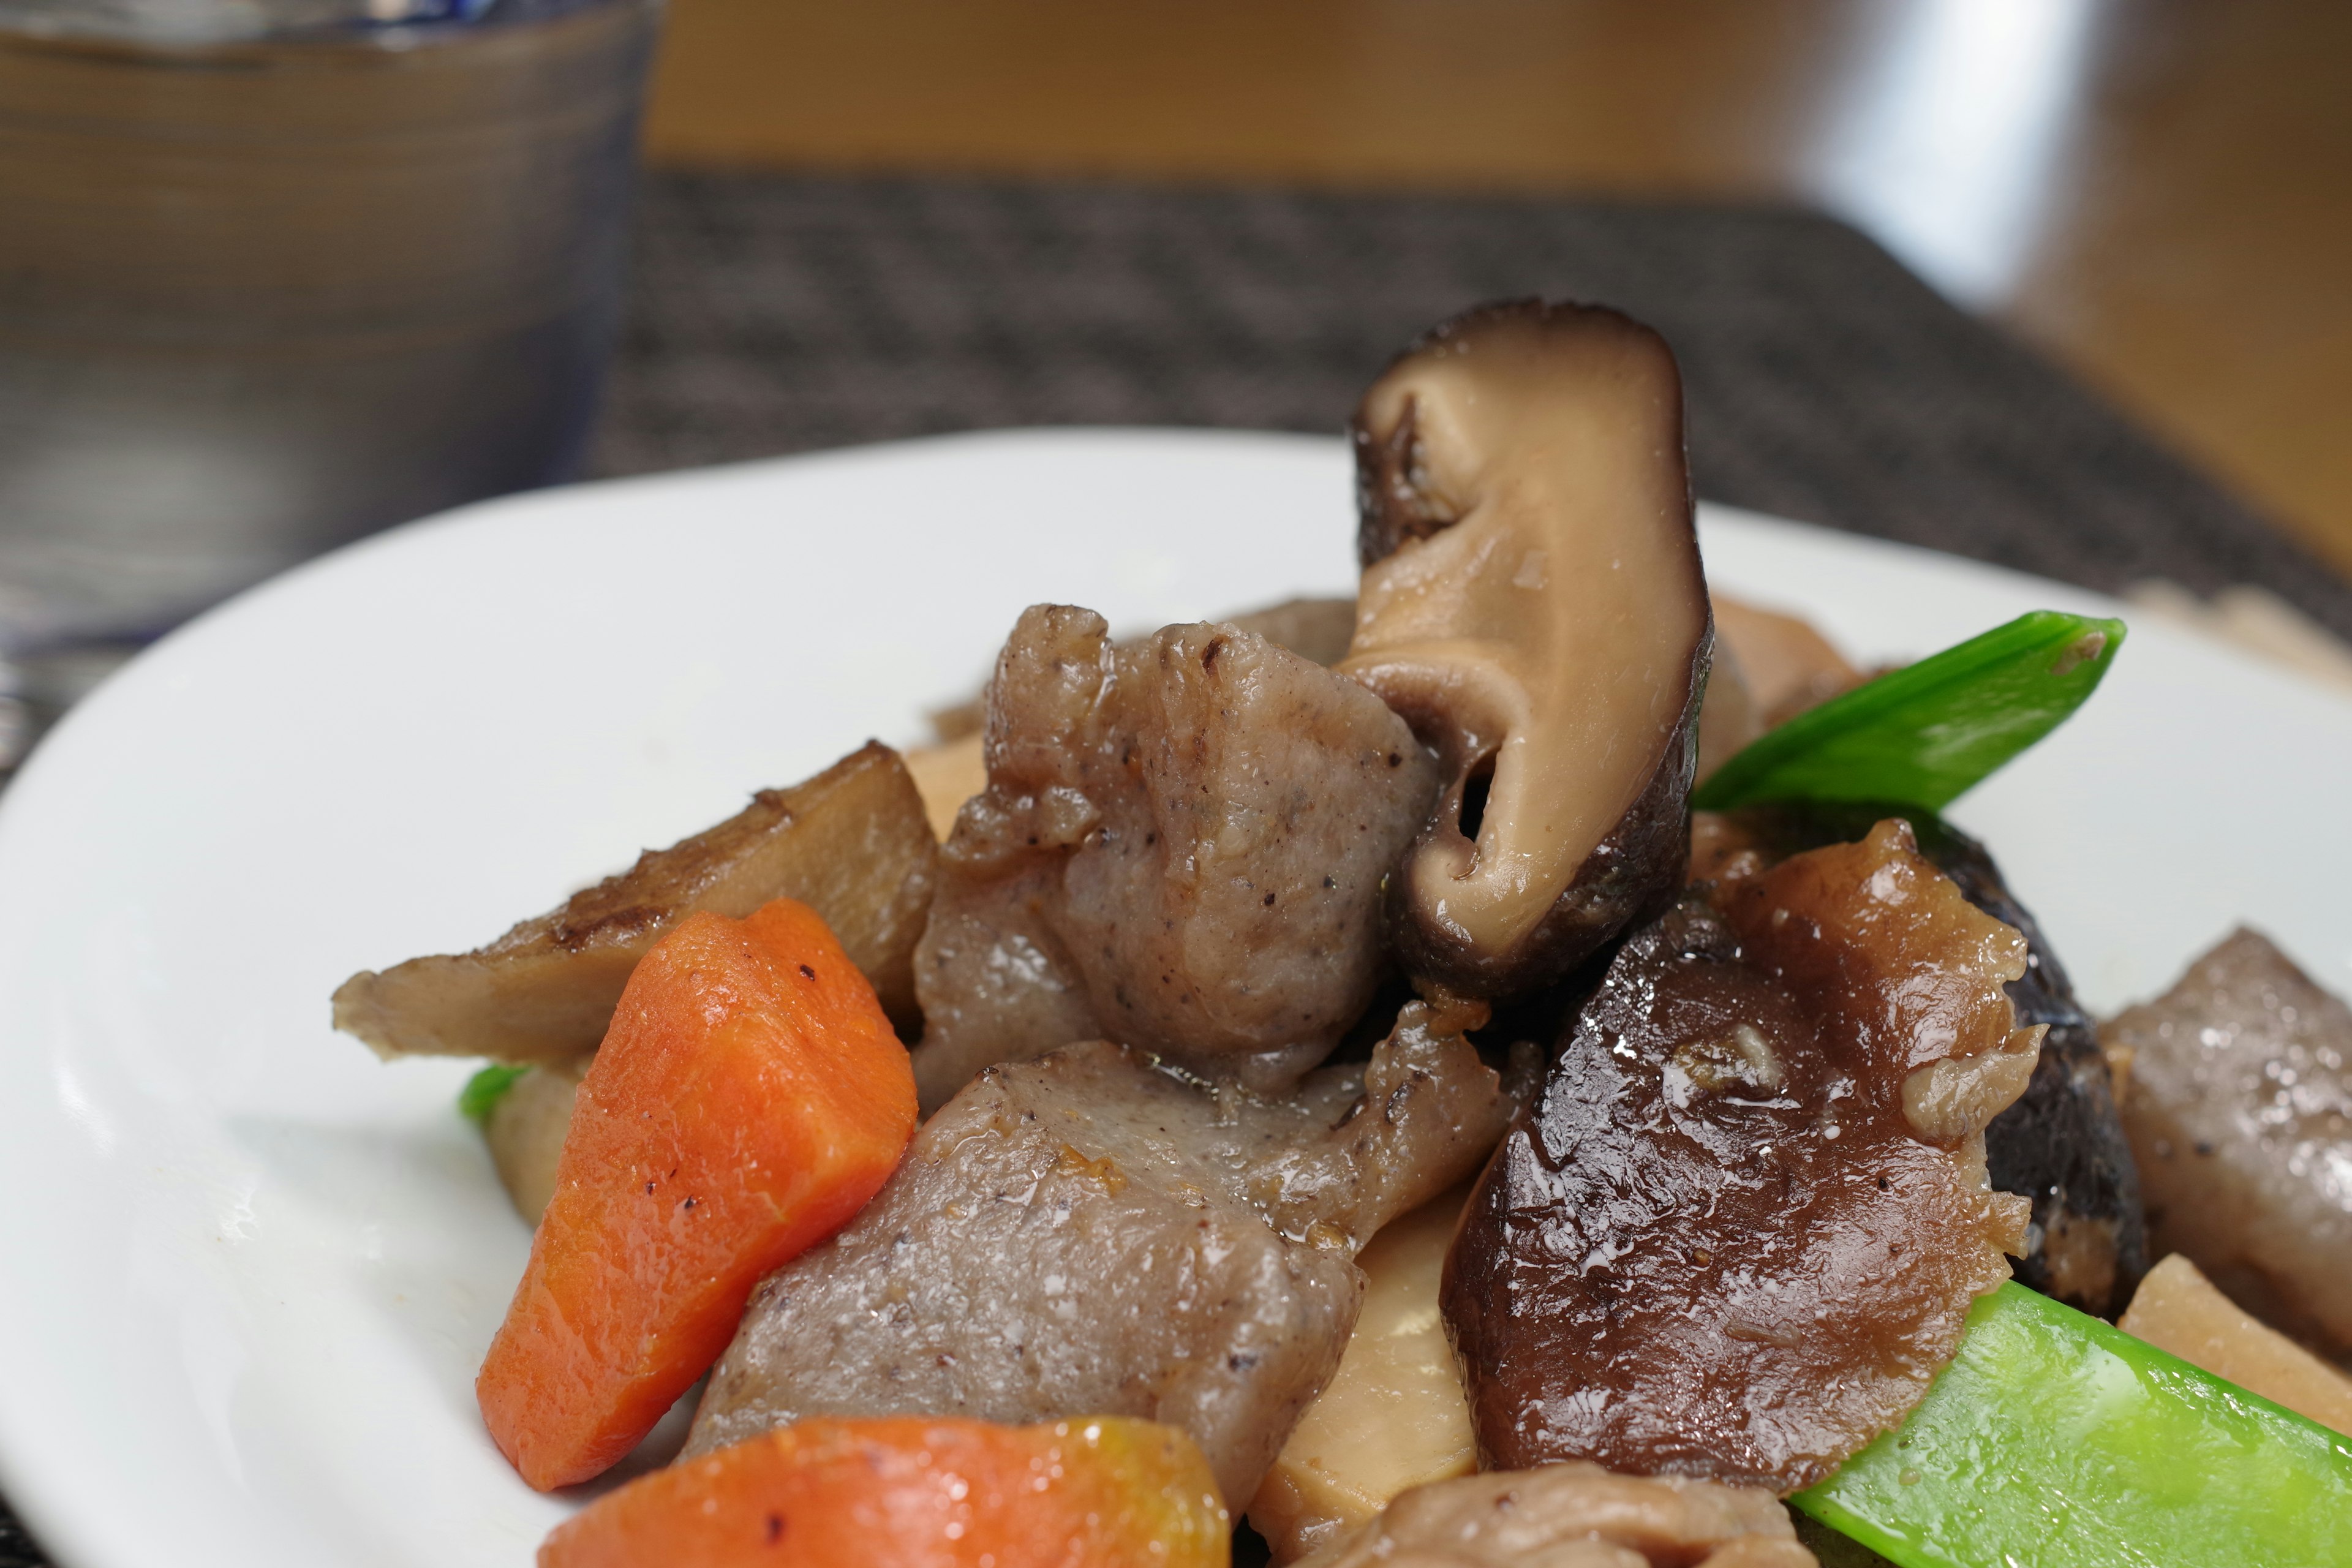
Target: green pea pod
(2055, 1440)
(1927, 734)
(485, 1089)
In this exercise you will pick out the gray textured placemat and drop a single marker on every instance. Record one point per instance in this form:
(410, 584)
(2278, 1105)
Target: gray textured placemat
(16, 1549)
(1825, 383)
(776, 314)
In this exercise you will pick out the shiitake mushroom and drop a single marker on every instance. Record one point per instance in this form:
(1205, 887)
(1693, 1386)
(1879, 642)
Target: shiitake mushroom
(1532, 604)
(1740, 1227)
(2063, 1144)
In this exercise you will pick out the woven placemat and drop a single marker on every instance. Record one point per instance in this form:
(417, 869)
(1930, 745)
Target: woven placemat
(1825, 383)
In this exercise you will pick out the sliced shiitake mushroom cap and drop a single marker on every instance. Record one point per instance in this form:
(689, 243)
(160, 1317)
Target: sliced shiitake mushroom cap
(1533, 605)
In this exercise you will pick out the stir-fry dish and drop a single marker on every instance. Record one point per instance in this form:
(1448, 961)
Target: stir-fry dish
(1513, 1069)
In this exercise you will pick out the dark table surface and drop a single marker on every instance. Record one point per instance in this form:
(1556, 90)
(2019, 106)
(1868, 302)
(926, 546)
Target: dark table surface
(779, 314)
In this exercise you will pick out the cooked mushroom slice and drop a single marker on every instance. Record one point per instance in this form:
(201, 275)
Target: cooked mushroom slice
(1180, 847)
(1090, 1233)
(1740, 1229)
(1574, 1516)
(2240, 1107)
(852, 842)
(2063, 1144)
(1532, 604)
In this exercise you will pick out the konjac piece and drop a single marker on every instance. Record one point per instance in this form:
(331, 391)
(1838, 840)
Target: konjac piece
(851, 843)
(2062, 1144)
(1532, 601)
(1572, 1516)
(1740, 1228)
(2240, 1107)
(1181, 846)
(1091, 1232)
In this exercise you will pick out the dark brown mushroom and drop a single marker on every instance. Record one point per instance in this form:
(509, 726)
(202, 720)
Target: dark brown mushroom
(1739, 1229)
(1532, 604)
(2062, 1144)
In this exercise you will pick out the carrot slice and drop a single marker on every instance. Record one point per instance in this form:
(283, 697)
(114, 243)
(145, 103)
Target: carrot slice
(911, 1492)
(748, 1100)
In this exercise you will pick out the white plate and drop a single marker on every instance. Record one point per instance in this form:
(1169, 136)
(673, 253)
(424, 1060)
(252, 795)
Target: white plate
(249, 1271)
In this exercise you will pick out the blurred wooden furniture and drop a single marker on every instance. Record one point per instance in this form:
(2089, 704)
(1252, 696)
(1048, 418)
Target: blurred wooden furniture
(2157, 192)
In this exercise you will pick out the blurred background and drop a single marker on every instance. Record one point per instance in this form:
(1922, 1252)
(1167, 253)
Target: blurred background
(2060, 284)
(2158, 194)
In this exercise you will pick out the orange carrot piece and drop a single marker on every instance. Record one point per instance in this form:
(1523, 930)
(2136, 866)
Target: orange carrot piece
(748, 1100)
(911, 1492)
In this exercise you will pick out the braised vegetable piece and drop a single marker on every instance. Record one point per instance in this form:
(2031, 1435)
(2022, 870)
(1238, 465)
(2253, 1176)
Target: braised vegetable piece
(1786, 664)
(1532, 603)
(1573, 1516)
(1727, 713)
(1925, 734)
(1768, 669)
(1317, 630)
(2177, 1309)
(907, 1493)
(947, 775)
(2240, 1108)
(525, 1131)
(1393, 1417)
(1181, 847)
(750, 1099)
(1742, 1225)
(850, 843)
(2062, 1144)
(2055, 1440)
(1092, 1232)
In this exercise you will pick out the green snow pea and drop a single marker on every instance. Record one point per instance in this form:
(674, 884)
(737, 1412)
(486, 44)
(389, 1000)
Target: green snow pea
(2055, 1440)
(485, 1089)
(1924, 734)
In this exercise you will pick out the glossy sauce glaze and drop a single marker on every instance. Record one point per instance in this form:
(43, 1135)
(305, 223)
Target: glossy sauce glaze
(1738, 1231)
